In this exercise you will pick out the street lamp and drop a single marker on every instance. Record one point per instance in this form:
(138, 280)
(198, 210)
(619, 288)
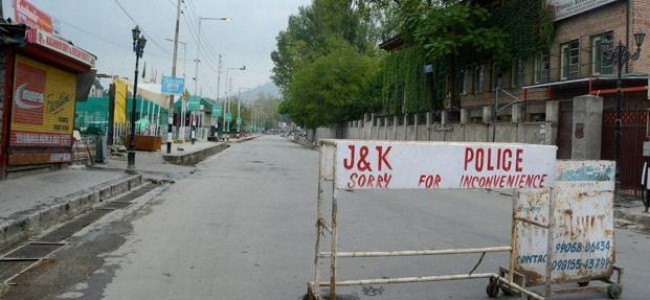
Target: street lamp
(198, 49)
(620, 55)
(139, 41)
(226, 126)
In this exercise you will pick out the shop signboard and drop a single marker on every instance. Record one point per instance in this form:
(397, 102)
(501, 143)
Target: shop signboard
(28, 14)
(563, 9)
(51, 42)
(216, 110)
(42, 112)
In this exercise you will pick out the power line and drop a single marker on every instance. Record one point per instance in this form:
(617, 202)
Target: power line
(103, 39)
(151, 38)
(208, 43)
(209, 60)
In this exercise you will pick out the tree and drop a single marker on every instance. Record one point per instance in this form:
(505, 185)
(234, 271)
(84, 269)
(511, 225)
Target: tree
(326, 62)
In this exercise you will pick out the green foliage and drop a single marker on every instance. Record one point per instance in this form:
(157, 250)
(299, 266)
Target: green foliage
(452, 35)
(325, 64)
(529, 28)
(404, 81)
(332, 88)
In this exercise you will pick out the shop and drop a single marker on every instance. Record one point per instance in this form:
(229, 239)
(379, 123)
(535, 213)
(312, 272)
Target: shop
(43, 78)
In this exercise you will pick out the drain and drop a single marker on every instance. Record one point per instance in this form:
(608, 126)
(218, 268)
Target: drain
(137, 193)
(116, 205)
(72, 227)
(9, 269)
(33, 251)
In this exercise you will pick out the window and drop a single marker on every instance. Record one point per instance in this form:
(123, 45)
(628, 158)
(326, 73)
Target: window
(599, 63)
(542, 67)
(517, 73)
(479, 79)
(570, 60)
(465, 82)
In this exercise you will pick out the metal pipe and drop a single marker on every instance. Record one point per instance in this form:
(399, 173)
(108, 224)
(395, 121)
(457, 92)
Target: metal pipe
(519, 288)
(333, 244)
(406, 280)
(549, 244)
(418, 252)
(538, 224)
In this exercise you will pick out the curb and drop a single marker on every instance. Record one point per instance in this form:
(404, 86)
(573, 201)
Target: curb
(246, 139)
(42, 217)
(305, 144)
(639, 218)
(192, 158)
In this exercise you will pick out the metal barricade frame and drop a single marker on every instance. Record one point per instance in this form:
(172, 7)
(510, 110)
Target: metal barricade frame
(504, 279)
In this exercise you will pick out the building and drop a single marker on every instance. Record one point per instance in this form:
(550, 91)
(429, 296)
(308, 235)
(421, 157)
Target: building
(551, 86)
(43, 75)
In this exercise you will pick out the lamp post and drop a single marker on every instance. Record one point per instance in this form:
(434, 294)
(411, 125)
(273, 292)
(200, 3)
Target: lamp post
(198, 50)
(620, 55)
(226, 126)
(139, 41)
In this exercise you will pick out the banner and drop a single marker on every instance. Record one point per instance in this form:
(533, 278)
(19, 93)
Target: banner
(30, 15)
(440, 165)
(43, 105)
(121, 93)
(172, 85)
(42, 113)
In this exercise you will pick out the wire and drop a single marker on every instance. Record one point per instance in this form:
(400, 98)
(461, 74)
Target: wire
(209, 60)
(209, 51)
(161, 48)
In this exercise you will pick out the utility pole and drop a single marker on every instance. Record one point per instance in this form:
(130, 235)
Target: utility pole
(170, 119)
(198, 51)
(219, 77)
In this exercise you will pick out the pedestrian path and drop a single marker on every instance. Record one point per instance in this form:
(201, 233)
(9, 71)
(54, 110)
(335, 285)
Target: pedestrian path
(32, 203)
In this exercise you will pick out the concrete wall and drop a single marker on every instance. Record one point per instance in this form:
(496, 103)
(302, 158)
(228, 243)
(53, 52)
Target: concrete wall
(385, 128)
(587, 127)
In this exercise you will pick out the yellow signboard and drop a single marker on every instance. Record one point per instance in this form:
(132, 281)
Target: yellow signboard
(121, 92)
(43, 105)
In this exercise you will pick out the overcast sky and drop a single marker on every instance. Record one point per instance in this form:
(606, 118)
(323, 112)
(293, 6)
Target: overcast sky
(102, 28)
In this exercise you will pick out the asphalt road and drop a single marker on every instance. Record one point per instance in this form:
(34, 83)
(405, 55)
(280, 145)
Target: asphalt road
(242, 227)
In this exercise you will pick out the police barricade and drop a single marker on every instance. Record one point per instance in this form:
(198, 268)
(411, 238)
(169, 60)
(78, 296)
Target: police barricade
(580, 246)
(525, 168)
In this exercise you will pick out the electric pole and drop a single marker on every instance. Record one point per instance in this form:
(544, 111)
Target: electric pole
(170, 119)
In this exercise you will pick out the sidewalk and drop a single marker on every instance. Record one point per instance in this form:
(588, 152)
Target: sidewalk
(33, 203)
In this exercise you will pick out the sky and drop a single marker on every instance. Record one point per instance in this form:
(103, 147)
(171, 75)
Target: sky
(104, 29)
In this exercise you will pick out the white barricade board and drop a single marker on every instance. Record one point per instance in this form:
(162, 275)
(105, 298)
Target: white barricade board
(583, 245)
(429, 165)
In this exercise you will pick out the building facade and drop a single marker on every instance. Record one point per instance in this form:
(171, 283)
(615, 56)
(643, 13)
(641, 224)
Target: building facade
(575, 66)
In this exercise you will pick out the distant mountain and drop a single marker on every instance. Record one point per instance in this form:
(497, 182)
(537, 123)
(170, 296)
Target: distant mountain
(266, 89)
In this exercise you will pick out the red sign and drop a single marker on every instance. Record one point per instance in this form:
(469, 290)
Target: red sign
(29, 97)
(39, 158)
(30, 15)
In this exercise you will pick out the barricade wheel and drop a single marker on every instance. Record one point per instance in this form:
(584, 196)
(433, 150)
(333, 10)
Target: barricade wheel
(506, 290)
(614, 291)
(493, 288)
(583, 283)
